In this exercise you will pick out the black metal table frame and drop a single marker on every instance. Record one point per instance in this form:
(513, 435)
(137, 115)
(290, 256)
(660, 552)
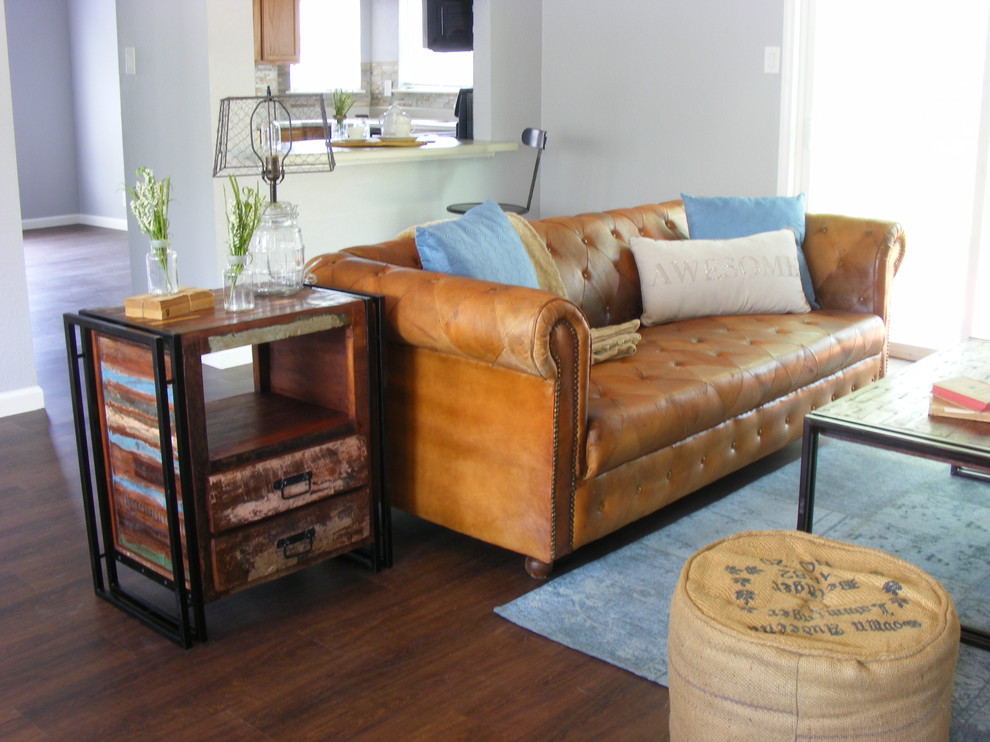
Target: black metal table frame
(815, 425)
(188, 622)
(379, 555)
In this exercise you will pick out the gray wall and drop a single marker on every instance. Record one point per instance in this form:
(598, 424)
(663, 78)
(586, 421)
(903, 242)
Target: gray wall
(41, 85)
(645, 99)
(63, 60)
(18, 384)
(168, 127)
(96, 93)
(508, 92)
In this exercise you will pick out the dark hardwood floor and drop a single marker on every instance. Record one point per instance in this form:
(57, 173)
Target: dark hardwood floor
(334, 652)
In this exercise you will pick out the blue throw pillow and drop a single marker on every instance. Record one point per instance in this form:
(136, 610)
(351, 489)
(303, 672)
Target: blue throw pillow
(724, 218)
(480, 244)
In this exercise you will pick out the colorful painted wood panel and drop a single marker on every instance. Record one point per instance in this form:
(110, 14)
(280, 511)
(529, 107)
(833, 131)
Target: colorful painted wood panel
(135, 479)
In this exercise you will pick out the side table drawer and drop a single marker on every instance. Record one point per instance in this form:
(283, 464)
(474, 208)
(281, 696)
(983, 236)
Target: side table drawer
(280, 484)
(264, 550)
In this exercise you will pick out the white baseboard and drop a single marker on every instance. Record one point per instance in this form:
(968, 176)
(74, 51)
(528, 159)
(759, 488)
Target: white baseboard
(106, 222)
(17, 401)
(50, 221)
(65, 220)
(221, 359)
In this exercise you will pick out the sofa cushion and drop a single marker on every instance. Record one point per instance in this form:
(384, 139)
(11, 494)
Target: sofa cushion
(481, 244)
(692, 375)
(724, 217)
(683, 279)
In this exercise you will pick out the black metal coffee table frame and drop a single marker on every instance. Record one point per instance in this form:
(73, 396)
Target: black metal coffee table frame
(892, 413)
(817, 424)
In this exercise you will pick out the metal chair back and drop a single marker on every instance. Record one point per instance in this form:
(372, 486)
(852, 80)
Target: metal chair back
(536, 138)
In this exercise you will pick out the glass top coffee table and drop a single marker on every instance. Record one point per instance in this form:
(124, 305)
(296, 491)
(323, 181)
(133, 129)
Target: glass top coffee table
(892, 413)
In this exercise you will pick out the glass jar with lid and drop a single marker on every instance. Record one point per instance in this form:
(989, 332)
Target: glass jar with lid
(396, 123)
(277, 252)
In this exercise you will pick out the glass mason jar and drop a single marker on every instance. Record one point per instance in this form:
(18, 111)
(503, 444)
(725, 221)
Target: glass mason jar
(238, 292)
(277, 252)
(160, 263)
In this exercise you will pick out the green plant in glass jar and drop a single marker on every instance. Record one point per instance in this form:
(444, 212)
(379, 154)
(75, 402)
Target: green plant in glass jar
(150, 199)
(342, 103)
(243, 210)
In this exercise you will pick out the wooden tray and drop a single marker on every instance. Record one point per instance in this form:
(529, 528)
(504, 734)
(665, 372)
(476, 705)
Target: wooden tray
(358, 143)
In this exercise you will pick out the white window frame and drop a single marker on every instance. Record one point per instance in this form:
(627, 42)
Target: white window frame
(795, 98)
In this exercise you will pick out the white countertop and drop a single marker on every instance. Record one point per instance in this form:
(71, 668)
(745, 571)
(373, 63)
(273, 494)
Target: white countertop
(436, 148)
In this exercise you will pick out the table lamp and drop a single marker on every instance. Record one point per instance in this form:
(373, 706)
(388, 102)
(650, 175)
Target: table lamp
(274, 135)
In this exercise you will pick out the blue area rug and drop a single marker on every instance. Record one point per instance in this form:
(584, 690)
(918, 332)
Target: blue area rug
(616, 607)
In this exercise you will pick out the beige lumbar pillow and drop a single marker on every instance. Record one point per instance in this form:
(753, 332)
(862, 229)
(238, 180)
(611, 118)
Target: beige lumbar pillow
(683, 279)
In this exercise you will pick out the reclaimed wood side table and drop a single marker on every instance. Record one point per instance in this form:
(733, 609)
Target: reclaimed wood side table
(208, 497)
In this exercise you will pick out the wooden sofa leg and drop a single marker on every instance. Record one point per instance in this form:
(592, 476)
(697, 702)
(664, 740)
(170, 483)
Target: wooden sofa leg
(537, 569)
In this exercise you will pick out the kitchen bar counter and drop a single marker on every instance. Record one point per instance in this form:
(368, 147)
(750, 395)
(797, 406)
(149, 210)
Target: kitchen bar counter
(377, 192)
(436, 148)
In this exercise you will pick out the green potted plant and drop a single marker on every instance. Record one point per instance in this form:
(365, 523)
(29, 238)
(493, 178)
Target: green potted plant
(243, 211)
(342, 103)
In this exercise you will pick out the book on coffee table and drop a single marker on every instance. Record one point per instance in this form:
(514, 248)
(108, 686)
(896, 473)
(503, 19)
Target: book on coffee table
(941, 408)
(962, 391)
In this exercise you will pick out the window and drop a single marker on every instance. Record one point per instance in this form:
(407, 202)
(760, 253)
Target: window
(329, 46)
(422, 69)
(904, 137)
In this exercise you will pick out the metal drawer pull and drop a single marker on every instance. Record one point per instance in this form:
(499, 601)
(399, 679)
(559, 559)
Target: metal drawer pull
(295, 486)
(297, 545)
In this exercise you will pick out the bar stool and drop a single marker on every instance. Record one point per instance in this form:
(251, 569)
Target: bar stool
(536, 138)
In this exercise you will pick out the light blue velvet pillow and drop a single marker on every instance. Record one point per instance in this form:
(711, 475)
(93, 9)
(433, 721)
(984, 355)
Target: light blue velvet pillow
(723, 218)
(480, 244)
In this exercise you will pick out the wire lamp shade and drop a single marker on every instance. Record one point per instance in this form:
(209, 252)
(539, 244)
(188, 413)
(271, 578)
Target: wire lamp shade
(273, 134)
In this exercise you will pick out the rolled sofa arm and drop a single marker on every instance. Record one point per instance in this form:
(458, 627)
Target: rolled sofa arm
(510, 327)
(853, 262)
(472, 365)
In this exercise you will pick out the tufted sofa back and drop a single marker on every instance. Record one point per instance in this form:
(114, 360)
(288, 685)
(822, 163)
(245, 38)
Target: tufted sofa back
(592, 253)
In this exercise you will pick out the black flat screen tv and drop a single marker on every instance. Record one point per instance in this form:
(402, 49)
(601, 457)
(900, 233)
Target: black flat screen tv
(448, 25)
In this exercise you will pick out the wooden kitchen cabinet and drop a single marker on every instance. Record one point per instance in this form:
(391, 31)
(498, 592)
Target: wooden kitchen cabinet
(207, 494)
(276, 31)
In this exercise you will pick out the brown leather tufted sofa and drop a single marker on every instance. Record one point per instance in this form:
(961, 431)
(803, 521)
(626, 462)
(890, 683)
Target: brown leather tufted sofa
(499, 427)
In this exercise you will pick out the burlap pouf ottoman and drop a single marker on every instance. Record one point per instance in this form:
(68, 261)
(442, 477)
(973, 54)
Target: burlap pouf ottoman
(782, 635)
